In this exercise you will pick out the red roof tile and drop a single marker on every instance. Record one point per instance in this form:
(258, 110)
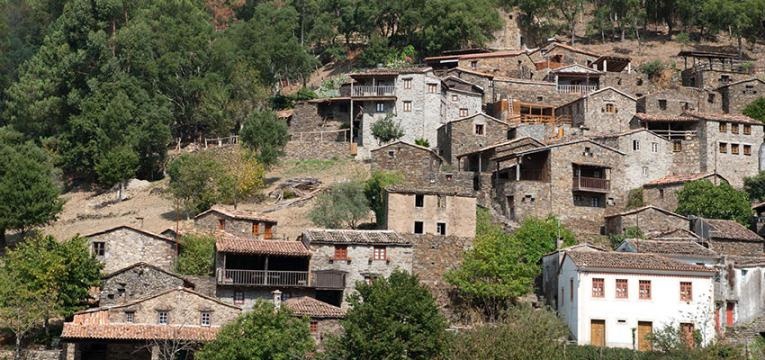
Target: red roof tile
(308, 306)
(596, 260)
(236, 214)
(687, 248)
(724, 117)
(731, 230)
(138, 332)
(229, 243)
(361, 237)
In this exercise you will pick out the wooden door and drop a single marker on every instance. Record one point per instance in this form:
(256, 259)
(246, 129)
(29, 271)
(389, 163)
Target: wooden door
(730, 310)
(686, 332)
(268, 234)
(598, 333)
(643, 331)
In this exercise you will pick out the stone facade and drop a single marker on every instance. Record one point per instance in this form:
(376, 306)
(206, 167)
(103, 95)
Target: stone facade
(137, 282)
(456, 104)
(727, 148)
(647, 156)
(512, 63)
(239, 223)
(323, 150)
(663, 193)
(446, 214)
(705, 78)
(470, 134)
(34, 354)
(120, 247)
(648, 219)
(736, 96)
(415, 162)
(634, 83)
(604, 111)
(531, 91)
(678, 100)
(435, 255)
(485, 81)
(251, 294)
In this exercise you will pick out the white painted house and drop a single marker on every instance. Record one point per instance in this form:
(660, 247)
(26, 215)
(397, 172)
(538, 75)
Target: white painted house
(615, 299)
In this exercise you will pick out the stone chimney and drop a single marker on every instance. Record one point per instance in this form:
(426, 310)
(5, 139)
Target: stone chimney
(277, 296)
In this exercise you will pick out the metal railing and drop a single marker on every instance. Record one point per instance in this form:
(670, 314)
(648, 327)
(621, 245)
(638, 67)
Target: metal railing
(374, 90)
(591, 183)
(262, 277)
(577, 89)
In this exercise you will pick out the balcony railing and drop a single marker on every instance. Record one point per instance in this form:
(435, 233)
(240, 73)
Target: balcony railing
(540, 119)
(262, 277)
(584, 183)
(373, 90)
(577, 89)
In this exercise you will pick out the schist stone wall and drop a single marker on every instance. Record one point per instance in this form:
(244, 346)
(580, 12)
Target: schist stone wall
(460, 104)
(515, 65)
(253, 294)
(606, 111)
(457, 213)
(738, 95)
(322, 150)
(125, 246)
(649, 220)
(663, 196)
(647, 157)
(733, 167)
(470, 134)
(738, 248)
(414, 162)
(485, 81)
(136, 283)
(240, 227)
(635, 83)
(433, 257)
(710, 79)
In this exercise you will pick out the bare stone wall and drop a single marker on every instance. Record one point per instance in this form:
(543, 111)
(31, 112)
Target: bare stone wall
(33, 354)
(253, 294)
(433, 257)
(635, 83)
(125, 247)
(522, 199)
(454, 101)
(648, 157)
(305, 117)
(240, 227)
(136, 283)
(458, 213)
(533, 92)
(733, 167)
(672, 101)
(664, 196)
(736, 97)
(648, 221)
(414, 162)
(306, 150)
(710, 79)
(485, 82)
(516, 66)
(460, 136)
(592, 112)
(183, 308)
(688, 159)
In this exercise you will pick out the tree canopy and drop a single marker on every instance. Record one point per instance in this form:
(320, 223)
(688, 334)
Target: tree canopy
(702, 198)
(343, 205)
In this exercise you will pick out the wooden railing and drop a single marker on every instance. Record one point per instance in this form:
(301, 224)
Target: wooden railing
(374, 90)
(328, 280)
(675, 134)
(540, 119)
(591, 184)
(577, 89)
(342, 135)
(262, 277)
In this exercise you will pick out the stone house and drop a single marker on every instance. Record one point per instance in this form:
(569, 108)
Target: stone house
(460, 99)
(616, 299)
(675, 101)
(648, 156)
(358, 255)
(575, 180)
(737, 95)
(662, 192)
(237, 222)
(138, 281)
(415, 162)
(137, 329)
(324, 318)
(649, 219)
(482, 160)
(469, 134)
(248, 270)
(575, 79)
(122, 246)
(438, 210)
(530, 91)
(550, 267)
(681, 131)
(727, 237)
(483, 80)
(559, 54)
(607, 110)
(710, 70)
(506, 63)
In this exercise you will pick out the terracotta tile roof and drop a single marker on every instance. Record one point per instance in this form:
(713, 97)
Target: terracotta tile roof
(723, 117)
(392, 71)
(664, 117)
(362, 237)
(674, 235)
(236, 214)
(229, 243)
(138, 332)
(156, 295)
(596, 260)
(688, 248)
(308, 306)
(747, 261)
(672, 179)
(731, 230)
(128, 227)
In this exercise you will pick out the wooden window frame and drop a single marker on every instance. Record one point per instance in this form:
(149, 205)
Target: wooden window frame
(268, 233)
(441, 228)
(419, 200)
(722, 127)
(255, 229)
(379, 253)
(677, 146)
(747, 150)
(341, 252)
(735, 149)
(455, 97)
(598, 288)
(221, 224)
(407, 83)
(380, 107)
(314, 326)
(479, 129)
(734, 128)
(723, 148)
(747, 129)
(622, 284)
(463, 112)
(99, 248)
(432, 88)
(644, 292)
(407, 106)
(686, 291)
(610, 108)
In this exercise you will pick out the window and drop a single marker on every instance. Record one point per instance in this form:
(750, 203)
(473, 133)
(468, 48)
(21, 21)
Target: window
(238, 297)
(418, 227)
(479, 129)
(663, 104)
(655, 147)
(661, 193)
(441, 228)
(686, 291)
(748, 150)
(645, 289)
(639, 82)
(268, 233)
(419, 200)
(314, 327)
(380, 107)
(597, 288)
(407, 106)
(474, 64)
(747, 129)
(130, 316)
(379, 253)
(711, 98)
(255, 230)
(635, 145)
(391, 154)
(454, 97)
(162, 317)
(221, 224)
(341, 252)
(734, 149)
(622, 291)
(725, 78)
(596, 202)
(734, 128)
(204, 318)
(571, 291)
(723, 127)
(463, 112)
(723, 148)
(432, 88)
(407, 83)
(562, 295)
(610, 108)
(99, 248)
(677, 146)
(442, 201)
(369, 279)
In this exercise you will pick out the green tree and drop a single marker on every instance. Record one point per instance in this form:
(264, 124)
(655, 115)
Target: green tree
(387, 129)
(344, 204)
(391, 318)
(22, 307)
(197, 256)
(756, 109)
(116, 167)
(755, 186)
(28, 194)
(374, 190)
(702, 198)
(263, 333)
(195, 182)
(266, 136)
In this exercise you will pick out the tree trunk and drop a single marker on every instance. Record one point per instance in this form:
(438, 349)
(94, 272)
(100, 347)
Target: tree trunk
(740, 50)
(17, 353)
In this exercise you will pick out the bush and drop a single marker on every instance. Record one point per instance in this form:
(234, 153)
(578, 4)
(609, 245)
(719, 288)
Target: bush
(632, 232)
(756, 109)
(755, 186)
(342, 205)
(635, 198)
(266, 135)
(422, 142)
(702, 198)
(197, 256)
(653, 68)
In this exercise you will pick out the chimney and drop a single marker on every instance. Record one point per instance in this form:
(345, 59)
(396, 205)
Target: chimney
(277, 299)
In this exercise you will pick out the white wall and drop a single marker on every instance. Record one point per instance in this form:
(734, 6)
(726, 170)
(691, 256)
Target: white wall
(664, 307)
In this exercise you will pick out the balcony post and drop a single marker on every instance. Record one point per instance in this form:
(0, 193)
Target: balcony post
(265, 273)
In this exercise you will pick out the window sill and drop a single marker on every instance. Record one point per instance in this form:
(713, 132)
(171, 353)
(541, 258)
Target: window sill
(387, 260)
(334, 259)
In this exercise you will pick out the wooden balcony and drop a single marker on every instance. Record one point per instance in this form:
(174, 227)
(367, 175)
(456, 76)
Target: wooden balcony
(324, 280)
(374, 91)
(591, 184)
(577, 89)
(540, 119)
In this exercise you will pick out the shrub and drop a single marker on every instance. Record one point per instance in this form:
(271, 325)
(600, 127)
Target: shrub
(702, 198)
(342, 205)
(422, 142)
(653, 68)
(635, 198)
(266, 135)
(756, 109)
(197, 255)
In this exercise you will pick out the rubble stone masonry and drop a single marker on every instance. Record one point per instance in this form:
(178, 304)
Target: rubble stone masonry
(125, 246)
(136, 283)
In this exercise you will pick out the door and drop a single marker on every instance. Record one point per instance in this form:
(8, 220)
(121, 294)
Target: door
(730, 310)
(686, 332)
(268, 233)
(643, 331)
(598, 333)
